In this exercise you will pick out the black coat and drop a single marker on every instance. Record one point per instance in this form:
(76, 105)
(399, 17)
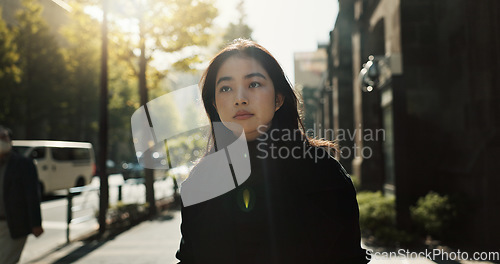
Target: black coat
(21, 197)
(301, 210)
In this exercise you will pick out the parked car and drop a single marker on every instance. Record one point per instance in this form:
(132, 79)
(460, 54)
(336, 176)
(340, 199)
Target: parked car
(132, 170)
(60, 164)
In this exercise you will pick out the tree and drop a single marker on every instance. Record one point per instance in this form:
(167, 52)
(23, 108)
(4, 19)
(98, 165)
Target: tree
(123, 101)
(170, 26)
(239, 30)
(81, 56)
(10, 73)
(174, 27)
(42, 105)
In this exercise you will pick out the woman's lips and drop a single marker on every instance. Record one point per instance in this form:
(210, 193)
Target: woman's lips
(242, 115)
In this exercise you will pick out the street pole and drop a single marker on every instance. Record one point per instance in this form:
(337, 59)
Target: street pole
(103, 125)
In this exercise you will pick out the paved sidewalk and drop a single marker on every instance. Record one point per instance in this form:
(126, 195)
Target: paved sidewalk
(155, 242)
(150, 242)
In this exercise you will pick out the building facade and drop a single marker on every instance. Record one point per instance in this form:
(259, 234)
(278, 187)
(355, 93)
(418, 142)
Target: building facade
(414, 82)
(310, 77)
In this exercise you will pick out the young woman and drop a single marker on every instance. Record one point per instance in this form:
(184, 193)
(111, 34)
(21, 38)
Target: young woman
(298, 204)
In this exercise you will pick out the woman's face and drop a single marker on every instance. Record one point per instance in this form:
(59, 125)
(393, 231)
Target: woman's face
(245, 95)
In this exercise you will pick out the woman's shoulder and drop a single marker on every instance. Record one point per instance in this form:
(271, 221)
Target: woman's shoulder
(327, 172)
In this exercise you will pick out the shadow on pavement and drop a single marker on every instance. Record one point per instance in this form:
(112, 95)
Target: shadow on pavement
(93, 242)
(164, 217)
(166, 214)
(90, 242)
(80, 252)
(52, 197)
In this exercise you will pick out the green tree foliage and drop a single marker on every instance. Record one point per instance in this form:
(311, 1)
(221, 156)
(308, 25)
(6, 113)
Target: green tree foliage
(123, 101)
(175, 27)
(42, 107)
(239, 30)
(81, 56)
(10, 74)
(49, 86)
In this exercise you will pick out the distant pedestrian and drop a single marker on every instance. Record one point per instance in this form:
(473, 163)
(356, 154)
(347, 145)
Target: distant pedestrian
(298, 204)
(19, 200)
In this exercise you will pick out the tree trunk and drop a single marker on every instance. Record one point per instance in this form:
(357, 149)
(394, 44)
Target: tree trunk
(103, 126)
(143, 93)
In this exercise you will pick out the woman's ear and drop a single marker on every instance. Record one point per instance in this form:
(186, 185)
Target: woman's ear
(279, 101)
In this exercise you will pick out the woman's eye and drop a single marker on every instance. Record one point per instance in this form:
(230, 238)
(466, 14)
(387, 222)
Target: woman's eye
(225, 89)
(254, 84)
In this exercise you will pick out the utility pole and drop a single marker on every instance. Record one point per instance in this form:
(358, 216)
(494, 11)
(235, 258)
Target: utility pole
(103, 125)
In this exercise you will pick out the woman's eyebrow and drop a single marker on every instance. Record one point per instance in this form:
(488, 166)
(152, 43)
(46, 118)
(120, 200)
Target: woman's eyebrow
(255, 74)
(221, 79)
(248, 76)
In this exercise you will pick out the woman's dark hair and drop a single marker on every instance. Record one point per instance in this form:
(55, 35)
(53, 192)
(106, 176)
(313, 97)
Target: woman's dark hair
(287, 116)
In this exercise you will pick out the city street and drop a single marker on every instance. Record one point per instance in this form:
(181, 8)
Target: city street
(403, 94)
(156, 241)
(54, 213)
(152, 242)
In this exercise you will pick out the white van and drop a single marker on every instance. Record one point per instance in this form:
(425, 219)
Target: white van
(60, 164)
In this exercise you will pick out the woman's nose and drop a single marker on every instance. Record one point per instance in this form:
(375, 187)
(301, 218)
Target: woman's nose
(241, 98)
(241, 101)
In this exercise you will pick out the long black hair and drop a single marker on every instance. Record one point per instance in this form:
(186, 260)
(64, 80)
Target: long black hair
(286, 117)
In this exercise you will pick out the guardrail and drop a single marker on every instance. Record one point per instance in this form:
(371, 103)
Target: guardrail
(87, 190)
(70, 208)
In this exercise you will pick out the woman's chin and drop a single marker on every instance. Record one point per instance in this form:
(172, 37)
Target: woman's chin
(252, 135)
(236, 128)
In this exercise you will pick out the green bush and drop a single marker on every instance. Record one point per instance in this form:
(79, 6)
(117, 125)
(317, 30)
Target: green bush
(433, 214)
(355, 182)
(122, 213)
(377, 219)
(375, 210)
